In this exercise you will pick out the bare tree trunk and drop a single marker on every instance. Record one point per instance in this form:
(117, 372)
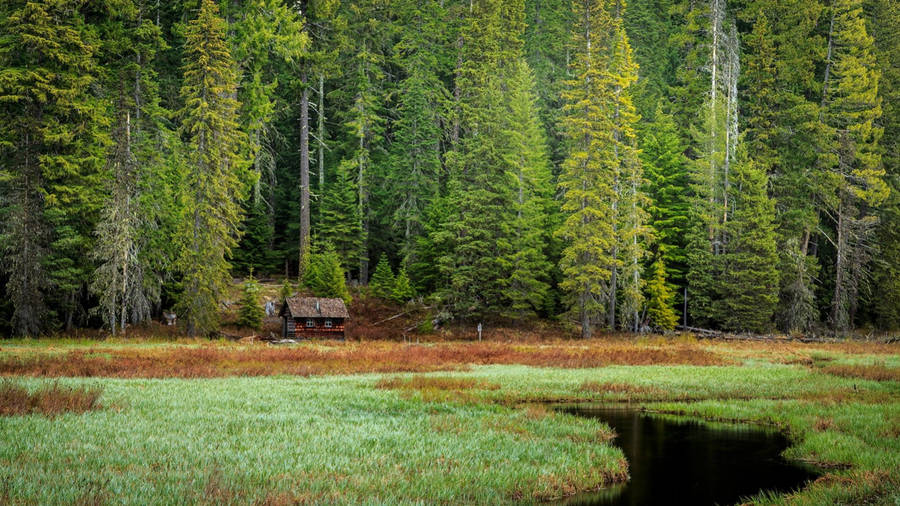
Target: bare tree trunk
(321, 130)
(304, 176)
(586, 330)
(838, 306)
(454, 135)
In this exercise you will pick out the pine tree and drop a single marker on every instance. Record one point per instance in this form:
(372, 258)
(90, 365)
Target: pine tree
(587, 175)
(779, 82)
(666, 172)
(480, 233)
(415, 175)
(216, 177)
(884, 22)
(325, 277)
(630, 203)
(706, 241)
(52, 141)
(250, 311)
(129, 276)
(339, 221)
(850, 159)
(526, 155)
(650, 28)
(382, 282)
(660, 298)
(364, 40)
(287, 289)
(748, 288)
(402, 290)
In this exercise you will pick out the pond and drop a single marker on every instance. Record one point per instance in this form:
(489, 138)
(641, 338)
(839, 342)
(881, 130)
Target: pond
(680, 461)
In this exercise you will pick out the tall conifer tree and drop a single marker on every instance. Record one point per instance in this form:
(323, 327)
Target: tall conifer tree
(586, 178)
(850, 159)
(52, 142)
(216, 178)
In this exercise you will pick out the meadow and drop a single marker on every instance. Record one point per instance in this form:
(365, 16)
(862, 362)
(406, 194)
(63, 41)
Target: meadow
(458, 422)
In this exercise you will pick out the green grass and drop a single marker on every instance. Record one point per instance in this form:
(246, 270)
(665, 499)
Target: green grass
(285, 439)
(460, 437)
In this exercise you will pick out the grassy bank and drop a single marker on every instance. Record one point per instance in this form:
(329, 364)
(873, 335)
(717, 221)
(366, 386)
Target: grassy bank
(463, 432)
(286, 440)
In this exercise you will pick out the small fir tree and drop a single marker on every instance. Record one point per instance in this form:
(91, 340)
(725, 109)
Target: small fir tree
(325, 276)
(382, 282)
(402, 290)
(660, 298)
(250, 312)
(287, 290)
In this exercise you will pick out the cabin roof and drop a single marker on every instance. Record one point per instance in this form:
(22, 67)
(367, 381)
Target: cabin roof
(315, 307)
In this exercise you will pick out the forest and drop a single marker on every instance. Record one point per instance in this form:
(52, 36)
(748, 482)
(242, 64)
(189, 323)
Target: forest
(724, 164)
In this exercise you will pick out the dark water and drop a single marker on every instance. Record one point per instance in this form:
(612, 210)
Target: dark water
(678, 461)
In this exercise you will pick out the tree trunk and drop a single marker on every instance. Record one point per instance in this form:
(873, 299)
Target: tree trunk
(321, 130)
(304, 176)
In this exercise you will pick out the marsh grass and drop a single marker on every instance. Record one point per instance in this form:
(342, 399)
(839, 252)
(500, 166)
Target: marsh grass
(49, 400)
(874, 372)
(438, 423)
(276, 440)
(322, 358)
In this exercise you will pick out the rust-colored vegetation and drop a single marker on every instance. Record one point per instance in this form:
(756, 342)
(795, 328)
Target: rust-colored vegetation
(435, 383)
(624, 389)
(216, 360)
(49, 400)
(873, 372)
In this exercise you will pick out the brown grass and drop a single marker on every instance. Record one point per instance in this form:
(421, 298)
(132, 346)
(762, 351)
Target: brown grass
(622, 388)
(869, 372)
(49, 400)
(435, 383)
(217, 360)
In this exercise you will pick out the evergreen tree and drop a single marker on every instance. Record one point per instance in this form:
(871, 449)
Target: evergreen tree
(660, 298)
(216, 177)
(850, 159)
(480, 232)
(630, 201)
(402, 290)
(779, 82)
(546, 36)
(526, 155)
(748, 288)
(382, 282)
(666, 172)
(884, 22)
(706, 239)
(587, 175)
(129, 276)
(250, 311)
(365, 42)
(52, 142)
(339, 221)
(325, 277)
(416, 171)
(287, 289)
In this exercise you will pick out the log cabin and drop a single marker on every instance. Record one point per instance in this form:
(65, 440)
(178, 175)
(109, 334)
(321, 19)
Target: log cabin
(307, 317)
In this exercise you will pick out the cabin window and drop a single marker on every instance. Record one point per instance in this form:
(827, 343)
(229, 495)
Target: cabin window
(327, 324)
(310, 323)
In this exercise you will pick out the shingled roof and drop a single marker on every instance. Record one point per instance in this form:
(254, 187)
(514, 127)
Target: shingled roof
(313, 307)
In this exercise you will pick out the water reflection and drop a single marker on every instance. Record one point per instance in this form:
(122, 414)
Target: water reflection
(679, 461)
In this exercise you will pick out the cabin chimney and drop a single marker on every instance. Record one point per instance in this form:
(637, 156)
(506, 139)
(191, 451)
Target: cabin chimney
(317, 307)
